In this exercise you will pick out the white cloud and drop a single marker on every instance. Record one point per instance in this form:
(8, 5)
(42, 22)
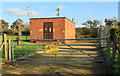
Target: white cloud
(19, 12)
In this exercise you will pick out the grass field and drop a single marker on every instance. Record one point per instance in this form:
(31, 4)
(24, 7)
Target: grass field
(15, 37)
(25, 48)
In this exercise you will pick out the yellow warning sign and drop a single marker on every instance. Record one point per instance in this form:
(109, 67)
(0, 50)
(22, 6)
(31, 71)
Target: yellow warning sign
(102, 28)
(51, 49)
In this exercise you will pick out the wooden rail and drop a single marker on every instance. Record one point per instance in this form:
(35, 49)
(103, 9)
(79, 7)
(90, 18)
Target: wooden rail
(1, 45)
(4, 45)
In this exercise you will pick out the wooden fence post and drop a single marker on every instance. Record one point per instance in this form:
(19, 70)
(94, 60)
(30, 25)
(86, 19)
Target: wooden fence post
(114, 49)
(12, 50)
(19, 33)
(9, 45)
(108, 52)
(5, 46)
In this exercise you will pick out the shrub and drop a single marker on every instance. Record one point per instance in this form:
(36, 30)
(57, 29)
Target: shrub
(85, 32)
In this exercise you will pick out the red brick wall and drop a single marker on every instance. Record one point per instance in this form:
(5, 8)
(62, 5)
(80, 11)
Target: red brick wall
(37, 24)
(64, 29)
(69, 31)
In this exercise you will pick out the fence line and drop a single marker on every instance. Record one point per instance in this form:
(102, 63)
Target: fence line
(64, 39)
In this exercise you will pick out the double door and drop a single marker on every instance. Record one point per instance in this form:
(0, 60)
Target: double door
(48, 30)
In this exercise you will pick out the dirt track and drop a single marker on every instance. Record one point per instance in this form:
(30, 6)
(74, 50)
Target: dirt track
(64, 68)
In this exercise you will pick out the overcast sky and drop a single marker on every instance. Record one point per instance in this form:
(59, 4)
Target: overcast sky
(80, 11)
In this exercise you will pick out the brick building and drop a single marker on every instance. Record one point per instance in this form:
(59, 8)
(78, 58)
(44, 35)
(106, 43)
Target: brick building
(52, 28)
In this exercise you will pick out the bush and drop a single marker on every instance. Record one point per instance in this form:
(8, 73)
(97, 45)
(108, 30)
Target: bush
(85, 32)
(15, 32)
(26, 32)
(10, 32)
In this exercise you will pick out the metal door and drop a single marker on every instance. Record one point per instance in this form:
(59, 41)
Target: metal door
(48, 30)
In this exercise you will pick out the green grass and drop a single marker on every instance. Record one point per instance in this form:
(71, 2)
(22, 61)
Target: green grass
(24, 49)
(116, 66)
(15, 37)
